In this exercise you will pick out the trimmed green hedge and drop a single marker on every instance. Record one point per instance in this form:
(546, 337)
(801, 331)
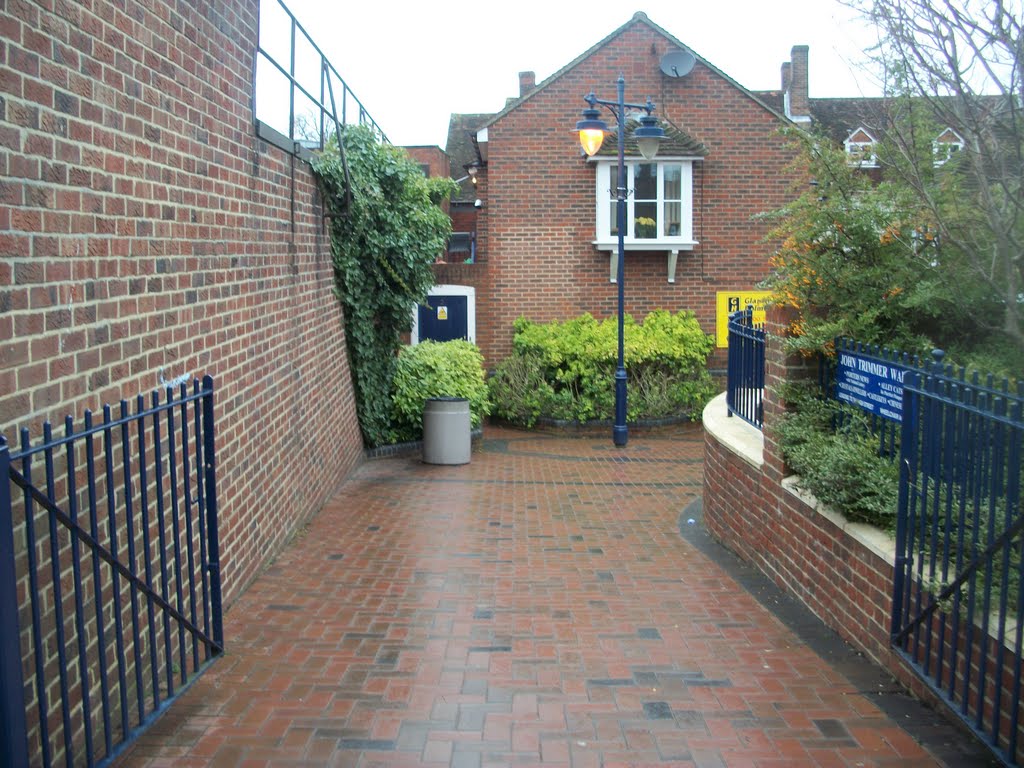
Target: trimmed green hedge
(565, 370)
(437, 369)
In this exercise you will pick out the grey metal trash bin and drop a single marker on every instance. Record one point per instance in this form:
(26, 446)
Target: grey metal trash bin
(446, 438)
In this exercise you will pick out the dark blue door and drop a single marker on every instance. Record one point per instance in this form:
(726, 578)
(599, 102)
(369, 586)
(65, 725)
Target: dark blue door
(445, 318)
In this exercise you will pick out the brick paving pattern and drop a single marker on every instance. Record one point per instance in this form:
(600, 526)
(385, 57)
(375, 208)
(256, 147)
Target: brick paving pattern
(536, 607)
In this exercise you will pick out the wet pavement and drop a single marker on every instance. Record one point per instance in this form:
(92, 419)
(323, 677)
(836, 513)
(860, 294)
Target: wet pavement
(548, 604)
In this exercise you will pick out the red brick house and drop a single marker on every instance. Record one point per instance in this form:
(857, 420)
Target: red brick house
(544, 244)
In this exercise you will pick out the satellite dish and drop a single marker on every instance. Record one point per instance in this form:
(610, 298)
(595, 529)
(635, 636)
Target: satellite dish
(677, 63)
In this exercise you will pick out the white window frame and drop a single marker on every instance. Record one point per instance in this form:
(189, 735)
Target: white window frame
(861, 153)
(605, 198)
(448, 290)
(943, 148)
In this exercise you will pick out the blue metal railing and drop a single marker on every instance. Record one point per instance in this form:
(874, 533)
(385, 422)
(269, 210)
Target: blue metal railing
(745, 382)
(888, 430)
(958, 592)
(110, 596)
(313, 108)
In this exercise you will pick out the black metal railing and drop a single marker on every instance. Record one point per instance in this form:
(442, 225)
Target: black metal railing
(110, 596)
(745, 382)
(958, 592)
(300, 83)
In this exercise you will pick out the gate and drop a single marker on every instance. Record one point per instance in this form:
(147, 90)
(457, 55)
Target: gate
(958, 593)
(110, 598)
(745, 381)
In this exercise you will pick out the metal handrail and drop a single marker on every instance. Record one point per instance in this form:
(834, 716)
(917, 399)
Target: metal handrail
(327, 70)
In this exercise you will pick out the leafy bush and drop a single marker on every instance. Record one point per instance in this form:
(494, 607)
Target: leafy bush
(518, 389)
(565, 370)
(865, 260)
(839, 465)
(437, 369)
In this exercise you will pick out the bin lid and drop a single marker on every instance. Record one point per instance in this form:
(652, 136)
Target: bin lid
(447, 399)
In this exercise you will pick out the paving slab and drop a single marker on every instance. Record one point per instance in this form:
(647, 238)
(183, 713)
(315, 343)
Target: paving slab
(542, 605)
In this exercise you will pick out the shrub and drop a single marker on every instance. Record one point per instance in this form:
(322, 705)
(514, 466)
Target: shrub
(565, 370)
(839, 465)
(437, 369)
(518, 389)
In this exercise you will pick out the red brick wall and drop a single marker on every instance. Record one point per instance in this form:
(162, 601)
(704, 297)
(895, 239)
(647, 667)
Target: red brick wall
(145, 232)
(538, 221)
(842, 581)
(435, 158)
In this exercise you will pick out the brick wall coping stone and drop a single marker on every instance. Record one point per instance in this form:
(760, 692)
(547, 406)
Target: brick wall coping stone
(747, 442)
(743, 439)
(871, 537)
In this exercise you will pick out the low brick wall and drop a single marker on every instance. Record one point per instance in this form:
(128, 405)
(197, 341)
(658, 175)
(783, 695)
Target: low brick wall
(841, 571)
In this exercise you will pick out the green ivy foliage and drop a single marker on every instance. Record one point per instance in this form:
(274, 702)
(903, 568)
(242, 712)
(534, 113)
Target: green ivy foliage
(565, 370)
(386, 230)
(437, 369)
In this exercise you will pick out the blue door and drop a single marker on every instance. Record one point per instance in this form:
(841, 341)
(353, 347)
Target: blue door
(444, 318)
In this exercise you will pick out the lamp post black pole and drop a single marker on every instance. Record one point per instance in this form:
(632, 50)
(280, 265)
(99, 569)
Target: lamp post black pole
(620, 433)
(592, 131)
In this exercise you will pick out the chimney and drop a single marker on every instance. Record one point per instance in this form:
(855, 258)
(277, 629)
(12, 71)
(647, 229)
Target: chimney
(794, 85)
(527, 81)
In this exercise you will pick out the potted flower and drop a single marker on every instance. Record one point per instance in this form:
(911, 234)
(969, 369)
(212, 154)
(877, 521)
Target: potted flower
(644, 227)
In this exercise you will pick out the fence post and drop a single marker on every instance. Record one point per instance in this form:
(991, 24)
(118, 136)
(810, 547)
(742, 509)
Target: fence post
(908, 471)
(213, 542)
(13, 732)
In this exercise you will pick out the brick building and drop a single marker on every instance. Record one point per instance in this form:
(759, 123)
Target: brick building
(544, 244)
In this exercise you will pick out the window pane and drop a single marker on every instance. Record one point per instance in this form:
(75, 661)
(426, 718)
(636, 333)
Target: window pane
(612, 188)
(645, 183)
(645, 223)
(673, 182)
(673, 216)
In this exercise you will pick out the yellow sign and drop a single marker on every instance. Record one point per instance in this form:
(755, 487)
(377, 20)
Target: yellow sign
(728, 302)
(442, 313)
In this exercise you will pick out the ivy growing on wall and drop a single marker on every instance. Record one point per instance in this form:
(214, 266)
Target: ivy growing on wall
(387, 228)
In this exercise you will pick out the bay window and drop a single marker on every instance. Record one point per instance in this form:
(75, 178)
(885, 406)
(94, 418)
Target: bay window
(659, 208)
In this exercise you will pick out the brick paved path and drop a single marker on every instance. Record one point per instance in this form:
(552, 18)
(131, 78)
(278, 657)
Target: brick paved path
(535, 607)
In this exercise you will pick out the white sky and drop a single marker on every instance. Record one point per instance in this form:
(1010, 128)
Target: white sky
(412, 63)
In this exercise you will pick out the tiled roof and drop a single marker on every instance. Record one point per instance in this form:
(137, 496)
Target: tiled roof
(677, 143)
(461, 148)
(774, 100)
(839, 117)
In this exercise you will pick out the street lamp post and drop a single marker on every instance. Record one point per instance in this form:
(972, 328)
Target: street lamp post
(592, 131)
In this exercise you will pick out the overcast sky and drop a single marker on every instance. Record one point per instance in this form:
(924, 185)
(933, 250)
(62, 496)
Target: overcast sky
(414, 63)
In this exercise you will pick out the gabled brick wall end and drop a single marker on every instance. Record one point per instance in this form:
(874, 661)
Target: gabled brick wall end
(145, 232)
(538, 222)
